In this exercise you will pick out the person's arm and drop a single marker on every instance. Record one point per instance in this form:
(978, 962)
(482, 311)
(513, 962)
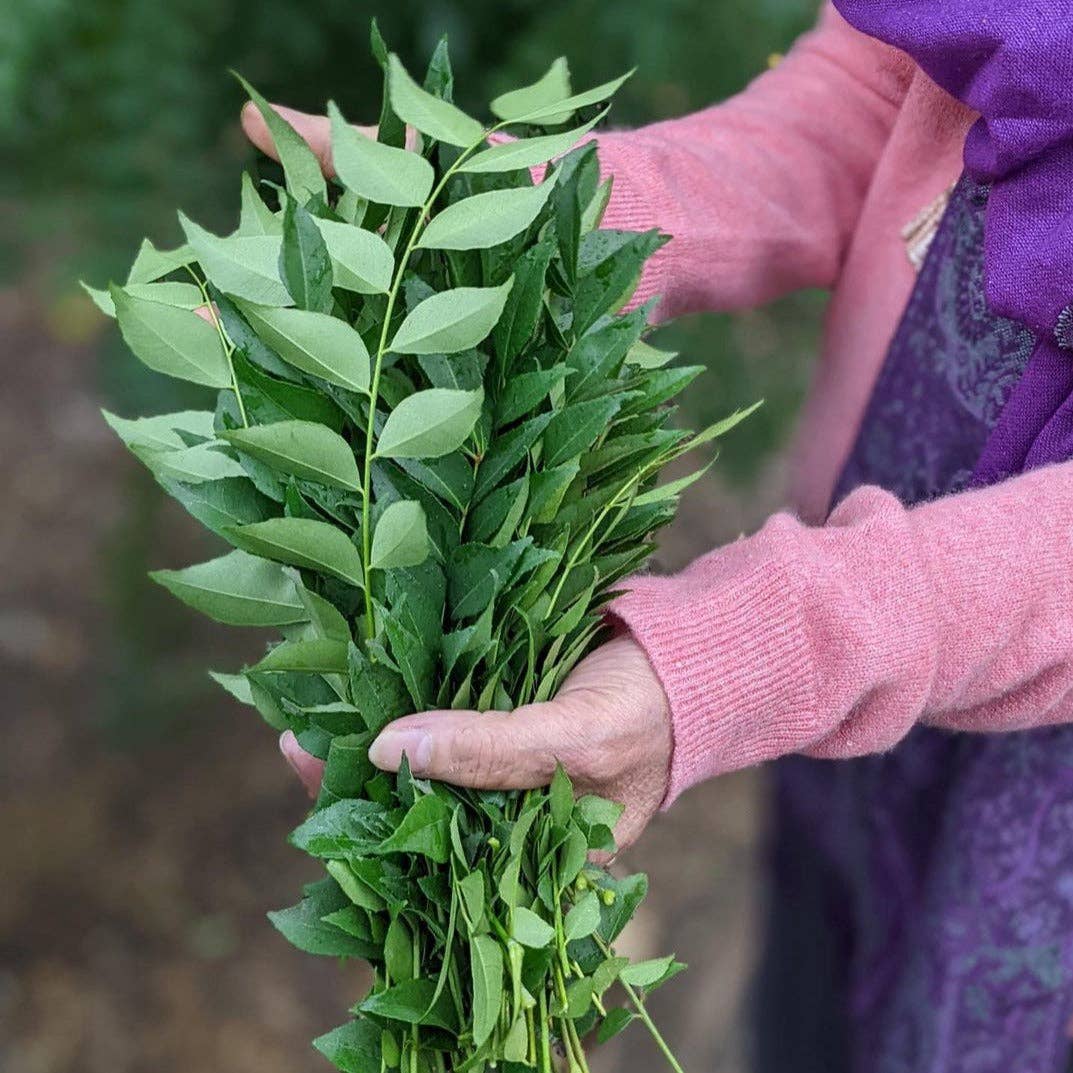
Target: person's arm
(761, 193)
(836, 641)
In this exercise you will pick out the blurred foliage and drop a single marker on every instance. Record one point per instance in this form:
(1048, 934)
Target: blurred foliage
(114, 112)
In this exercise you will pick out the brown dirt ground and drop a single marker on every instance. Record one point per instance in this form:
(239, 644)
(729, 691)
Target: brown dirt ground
(136, 873)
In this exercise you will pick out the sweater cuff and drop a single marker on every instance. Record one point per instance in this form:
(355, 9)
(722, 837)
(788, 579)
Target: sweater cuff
(733, 659)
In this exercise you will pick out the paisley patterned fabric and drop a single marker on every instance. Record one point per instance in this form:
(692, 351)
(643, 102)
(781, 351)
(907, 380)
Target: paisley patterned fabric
(939, 875)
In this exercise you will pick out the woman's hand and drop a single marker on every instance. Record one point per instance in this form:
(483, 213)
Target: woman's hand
(609, 727)
(315, 129)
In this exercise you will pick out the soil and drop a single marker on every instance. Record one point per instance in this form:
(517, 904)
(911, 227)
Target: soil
(143, 814)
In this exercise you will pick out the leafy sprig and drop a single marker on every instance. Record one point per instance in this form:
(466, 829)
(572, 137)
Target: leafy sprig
(435, 454)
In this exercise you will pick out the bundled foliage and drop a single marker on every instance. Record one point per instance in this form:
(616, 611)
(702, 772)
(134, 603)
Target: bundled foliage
(434, 453)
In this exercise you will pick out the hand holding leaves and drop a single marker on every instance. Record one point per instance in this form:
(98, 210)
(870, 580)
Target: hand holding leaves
(435, 451)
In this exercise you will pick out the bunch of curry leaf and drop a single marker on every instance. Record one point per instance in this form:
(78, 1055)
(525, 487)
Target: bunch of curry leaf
(434, 453)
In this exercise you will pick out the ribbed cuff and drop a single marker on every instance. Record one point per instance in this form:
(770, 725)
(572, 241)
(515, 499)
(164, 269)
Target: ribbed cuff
(734, 661)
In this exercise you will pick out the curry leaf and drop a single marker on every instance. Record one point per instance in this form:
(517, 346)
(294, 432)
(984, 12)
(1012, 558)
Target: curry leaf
(303, 449)
(451, 321)
(172, 340)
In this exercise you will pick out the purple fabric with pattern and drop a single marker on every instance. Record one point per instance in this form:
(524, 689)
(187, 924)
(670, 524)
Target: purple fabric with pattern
(1011, 61)
(933, 885)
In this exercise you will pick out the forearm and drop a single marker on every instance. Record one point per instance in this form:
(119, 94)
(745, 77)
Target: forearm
(761, 194)
(836, 641)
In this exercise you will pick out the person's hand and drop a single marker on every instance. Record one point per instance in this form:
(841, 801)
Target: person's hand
(315, 129)
(609, 727)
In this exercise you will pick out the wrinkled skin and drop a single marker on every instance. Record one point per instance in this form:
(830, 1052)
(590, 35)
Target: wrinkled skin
(609, 726)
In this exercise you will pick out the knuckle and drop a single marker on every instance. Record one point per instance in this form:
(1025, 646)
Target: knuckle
(471, 755)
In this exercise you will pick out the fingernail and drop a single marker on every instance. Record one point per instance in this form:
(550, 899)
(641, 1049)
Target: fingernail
(287, 744)
(387, 751)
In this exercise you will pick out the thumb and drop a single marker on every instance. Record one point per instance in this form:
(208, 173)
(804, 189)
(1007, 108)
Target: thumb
(485, 751)
(314, 130)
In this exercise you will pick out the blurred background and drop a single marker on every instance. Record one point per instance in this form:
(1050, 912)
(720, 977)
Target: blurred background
(142, 814)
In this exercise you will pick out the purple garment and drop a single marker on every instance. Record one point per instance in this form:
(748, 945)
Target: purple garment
(1011, 61)
(923, 899)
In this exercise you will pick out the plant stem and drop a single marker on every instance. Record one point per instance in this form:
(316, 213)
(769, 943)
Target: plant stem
(381, 350)
(229, 350)
(642, 1013)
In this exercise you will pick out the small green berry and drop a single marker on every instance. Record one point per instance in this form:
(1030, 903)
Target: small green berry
(607, 897)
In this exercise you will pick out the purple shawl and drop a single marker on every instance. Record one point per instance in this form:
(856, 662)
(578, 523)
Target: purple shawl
(1011, 61)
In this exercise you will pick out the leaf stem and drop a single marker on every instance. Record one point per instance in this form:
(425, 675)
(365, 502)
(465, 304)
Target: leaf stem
(378, 363)
(229, 350)
(638, 1004)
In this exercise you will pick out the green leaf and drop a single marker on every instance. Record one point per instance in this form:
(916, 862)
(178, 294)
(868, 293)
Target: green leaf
(399, 951)
(302, 926)
(523, 153)
(302, 449)
(238, 685)
(152, 264)
(343, 829)
(430, 423)
(362, 261)
(486, 962)
(316, 343)
(305, 657)
(411, 1003)
(380, 173)
(304, 263)
(244, 266)
(720, 428)
(506, 452)
(423, 830)
(549, 90)
(645, 356)
(304, 177)
(180, 295)
(583, 919)
(192, 465)
(672, 489)
(161, 433)
(428, 114)
(644, 974)
(401, 536)
(218, 505)
(452, 320)
(478, 573)
(556, 110)
(561, 796)
(353, 1047)
(615, 1022)
(256, 217)
(471, 891)
(575, 429)
(485, 220)
(269, 399)
(525, 393)
(530, 930)
(237, 589)
(525, 305)
(302, 542)
(171, 340)
(548, 488)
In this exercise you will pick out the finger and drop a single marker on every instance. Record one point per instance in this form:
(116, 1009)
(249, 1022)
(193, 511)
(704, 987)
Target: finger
(313, 129)
(308, 768)
(495, 750)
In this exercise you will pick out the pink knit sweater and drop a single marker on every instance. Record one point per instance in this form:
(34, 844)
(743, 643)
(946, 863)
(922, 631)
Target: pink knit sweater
(835, 639)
